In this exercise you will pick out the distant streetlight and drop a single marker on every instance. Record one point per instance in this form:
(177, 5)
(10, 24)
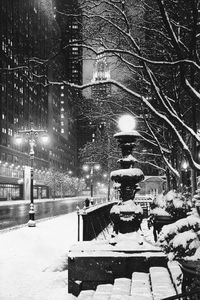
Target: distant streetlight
(185, 165)
(31, 135)
(126, 123)
(185, 173)
(91, 166)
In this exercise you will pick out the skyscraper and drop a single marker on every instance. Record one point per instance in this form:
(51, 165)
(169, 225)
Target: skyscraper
(30, 55)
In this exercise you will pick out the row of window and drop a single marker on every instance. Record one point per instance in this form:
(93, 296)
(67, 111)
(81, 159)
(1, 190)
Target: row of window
(8, 131)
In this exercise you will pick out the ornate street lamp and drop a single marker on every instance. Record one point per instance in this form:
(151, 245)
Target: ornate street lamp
(31, 135)
(91, 166)
(127, 215)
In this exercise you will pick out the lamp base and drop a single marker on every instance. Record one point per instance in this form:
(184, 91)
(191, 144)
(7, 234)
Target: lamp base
(31, 223)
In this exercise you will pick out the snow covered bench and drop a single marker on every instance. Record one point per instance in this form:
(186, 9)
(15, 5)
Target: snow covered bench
(159, 283)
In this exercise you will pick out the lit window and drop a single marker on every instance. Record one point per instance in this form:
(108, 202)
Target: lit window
(10, 131)
(62, 116)
(62, 130)
(3, 116)
(62, 87)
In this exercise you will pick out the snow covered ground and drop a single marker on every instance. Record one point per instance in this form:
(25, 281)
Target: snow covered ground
(33, 261)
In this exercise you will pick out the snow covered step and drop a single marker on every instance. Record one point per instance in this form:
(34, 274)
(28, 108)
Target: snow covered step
(86, 295)
(103, 291)
(140, 287)
(161, 283)
(121, 286)
(104, 288)
(176, 274)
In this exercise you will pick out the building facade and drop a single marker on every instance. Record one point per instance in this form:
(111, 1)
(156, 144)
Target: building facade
(30, 57)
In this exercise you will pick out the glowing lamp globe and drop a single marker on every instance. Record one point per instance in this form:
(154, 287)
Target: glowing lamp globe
(18, 140)
(45, 138)
(127, 123)
(185, 165)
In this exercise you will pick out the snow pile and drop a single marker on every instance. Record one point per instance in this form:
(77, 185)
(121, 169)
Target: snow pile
(158, 211)
(128, 158)
(131, 133)
(160, 201)
(131, 172)
(127, 211)
(172, 204)
(116, 185)
(180, 240)
(170, 195)
(130, 206)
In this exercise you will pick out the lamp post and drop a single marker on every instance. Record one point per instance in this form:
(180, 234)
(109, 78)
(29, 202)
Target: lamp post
(31, 135)
(91, 166)
(185, 174)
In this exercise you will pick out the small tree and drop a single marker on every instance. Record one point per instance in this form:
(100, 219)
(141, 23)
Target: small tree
(62, 184)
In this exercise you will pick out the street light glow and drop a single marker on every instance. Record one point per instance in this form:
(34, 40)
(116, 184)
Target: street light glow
(45, 138)
(126, 123)
(18, 139)
(97, 167)
(185, 165)
(85, 168)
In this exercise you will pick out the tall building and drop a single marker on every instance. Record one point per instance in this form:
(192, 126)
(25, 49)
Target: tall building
(101, 72)
(71, 35)
(101, 92)
(30, 34)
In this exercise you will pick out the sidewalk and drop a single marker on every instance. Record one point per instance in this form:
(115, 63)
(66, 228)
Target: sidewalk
(33, 261)
(13, 202)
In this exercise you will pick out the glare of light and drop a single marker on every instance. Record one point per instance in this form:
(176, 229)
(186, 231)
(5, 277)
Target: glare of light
(18, 139)
(185, 165)
(97, 167)
(126, 123)
(45, 138)
(85, 168)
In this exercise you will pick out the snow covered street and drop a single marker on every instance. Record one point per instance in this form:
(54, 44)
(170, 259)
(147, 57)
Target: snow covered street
(33, 261)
